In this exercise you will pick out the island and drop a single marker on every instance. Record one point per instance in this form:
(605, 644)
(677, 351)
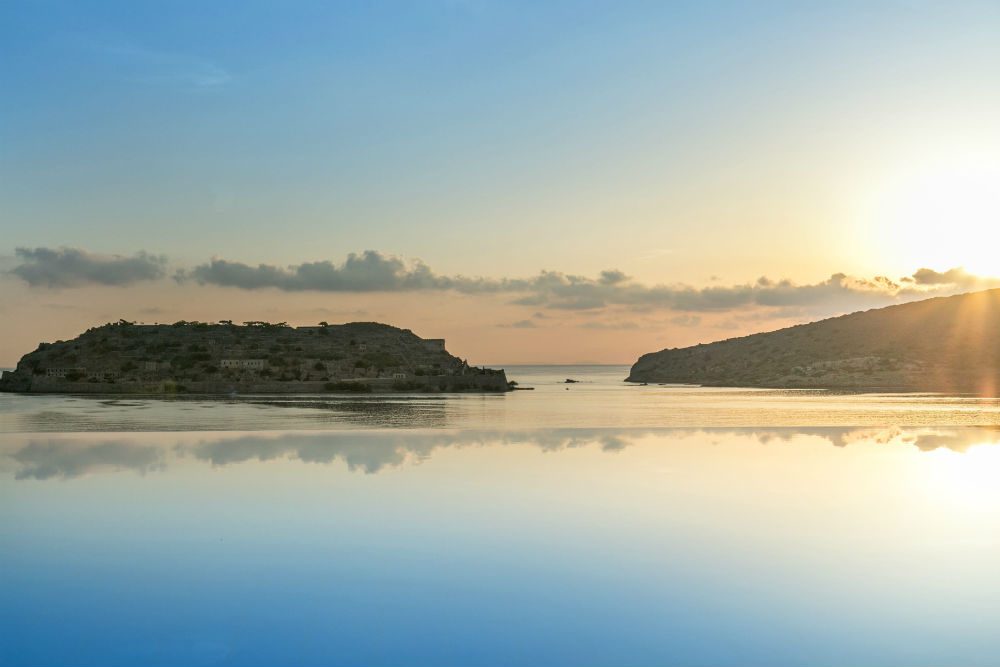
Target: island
(946, 344)
(252, 357)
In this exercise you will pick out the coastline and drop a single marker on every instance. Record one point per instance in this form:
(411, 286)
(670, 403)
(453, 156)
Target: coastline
(493, 383)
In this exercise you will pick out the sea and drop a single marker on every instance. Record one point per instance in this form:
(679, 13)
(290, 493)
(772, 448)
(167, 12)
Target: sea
(590, 522)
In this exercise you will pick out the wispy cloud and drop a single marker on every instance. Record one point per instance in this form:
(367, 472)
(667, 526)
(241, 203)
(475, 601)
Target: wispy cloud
(686, 320)
(616, 325)
(167, 68)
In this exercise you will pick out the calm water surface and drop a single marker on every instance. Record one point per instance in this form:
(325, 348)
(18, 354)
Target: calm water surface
(598, 400)
(599, 525)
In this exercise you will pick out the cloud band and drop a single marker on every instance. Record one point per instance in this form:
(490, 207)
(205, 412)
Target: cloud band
(372, 271)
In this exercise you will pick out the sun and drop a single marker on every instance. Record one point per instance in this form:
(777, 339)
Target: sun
(944, 213)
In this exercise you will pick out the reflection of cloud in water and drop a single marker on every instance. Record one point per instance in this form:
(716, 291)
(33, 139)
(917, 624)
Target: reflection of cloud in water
(372, 451)
(359, 452)
(925, 439)
(60, 458)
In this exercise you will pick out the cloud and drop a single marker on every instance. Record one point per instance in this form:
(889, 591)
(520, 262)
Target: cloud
(521, 324)
(72, 267)
(372, 271)
(612, 288)
(686, 320)
(957, 276)
(612, 277)
(166, 68)
(609, 326)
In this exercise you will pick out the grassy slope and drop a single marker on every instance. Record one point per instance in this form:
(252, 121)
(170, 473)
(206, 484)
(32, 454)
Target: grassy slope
(942, 344)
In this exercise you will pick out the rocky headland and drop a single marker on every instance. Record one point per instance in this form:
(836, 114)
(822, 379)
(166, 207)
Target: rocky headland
(253, 357)
(946, 344)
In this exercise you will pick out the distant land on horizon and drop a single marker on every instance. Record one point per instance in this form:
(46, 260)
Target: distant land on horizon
(944, 344)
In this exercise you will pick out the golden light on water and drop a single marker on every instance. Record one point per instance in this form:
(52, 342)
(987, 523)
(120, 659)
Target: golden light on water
(968, 478)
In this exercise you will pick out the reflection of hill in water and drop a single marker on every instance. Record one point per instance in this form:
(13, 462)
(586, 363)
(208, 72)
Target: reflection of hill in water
(379, 412)
(371, 451)
(600, 400)
(66, 414)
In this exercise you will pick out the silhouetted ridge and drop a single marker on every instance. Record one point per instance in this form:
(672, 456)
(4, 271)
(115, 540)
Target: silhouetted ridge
(255, 357)
(947, 344)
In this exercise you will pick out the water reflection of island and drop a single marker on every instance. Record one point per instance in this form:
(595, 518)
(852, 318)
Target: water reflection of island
(371, 451)
(414, 412)
(83, 413)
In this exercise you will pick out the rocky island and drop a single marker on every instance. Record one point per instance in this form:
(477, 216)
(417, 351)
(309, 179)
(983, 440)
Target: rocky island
(946, 344)
(253, 357)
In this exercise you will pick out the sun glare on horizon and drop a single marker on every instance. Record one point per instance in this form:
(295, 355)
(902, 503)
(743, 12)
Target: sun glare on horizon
(943, 214)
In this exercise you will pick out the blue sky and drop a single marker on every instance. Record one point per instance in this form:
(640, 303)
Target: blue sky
(676, 142)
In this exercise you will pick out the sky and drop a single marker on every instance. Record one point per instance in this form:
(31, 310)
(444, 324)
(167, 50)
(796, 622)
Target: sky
(535, 182)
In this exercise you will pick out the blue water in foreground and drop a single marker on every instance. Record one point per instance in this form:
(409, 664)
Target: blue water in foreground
(595, 525)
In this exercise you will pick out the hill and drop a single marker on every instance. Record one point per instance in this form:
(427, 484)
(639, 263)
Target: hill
(946, 344)
(256, 357)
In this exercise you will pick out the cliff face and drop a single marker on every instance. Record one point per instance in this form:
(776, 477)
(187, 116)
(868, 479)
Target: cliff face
(258, 357)
(949, 344)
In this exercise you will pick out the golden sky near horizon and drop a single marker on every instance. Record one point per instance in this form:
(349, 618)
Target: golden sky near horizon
(535, 184)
